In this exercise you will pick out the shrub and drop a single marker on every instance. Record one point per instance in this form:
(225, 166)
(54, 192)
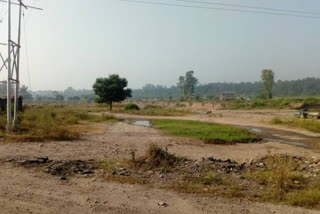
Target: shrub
(156, 157)
(131, 106)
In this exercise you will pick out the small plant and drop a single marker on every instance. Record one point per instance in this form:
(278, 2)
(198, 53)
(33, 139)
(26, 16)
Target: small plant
(133, 155)
(131, 106)
(210, 179)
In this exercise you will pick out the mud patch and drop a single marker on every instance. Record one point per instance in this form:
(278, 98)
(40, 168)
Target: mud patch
(224, 142)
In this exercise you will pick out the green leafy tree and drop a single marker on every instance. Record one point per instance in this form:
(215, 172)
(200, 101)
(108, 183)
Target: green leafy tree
(182, 86)
(267, 77)
(111, 89)
(24, 92)
(187, 84)
(60, 97)
(191, 83)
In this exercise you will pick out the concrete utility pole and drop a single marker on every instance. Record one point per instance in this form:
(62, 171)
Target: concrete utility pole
(13, 64)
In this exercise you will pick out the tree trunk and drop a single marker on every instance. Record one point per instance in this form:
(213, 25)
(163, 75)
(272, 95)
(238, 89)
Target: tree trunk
(110, 105)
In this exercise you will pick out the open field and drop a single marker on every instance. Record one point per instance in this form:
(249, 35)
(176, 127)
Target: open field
(106, 169)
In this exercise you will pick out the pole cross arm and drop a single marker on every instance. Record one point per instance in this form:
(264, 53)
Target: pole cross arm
(14, 44)
(21, 3)
(25, 6)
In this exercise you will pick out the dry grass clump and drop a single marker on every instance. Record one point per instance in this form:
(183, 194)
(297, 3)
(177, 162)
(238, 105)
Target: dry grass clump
(309, 198)
(285, 183)
(44, 123)
(311, 125)
(157, 157)
(274, 178)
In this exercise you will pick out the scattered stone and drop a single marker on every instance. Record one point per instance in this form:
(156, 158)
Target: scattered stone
(63, 178)
(261, 164)
(87, 171)
(162, 204)
(121, 172)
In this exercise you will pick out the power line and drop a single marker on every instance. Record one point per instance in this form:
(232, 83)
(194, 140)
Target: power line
(250, 7)
(26, 48)
(3, 16)
(29, 14)
(223, 9)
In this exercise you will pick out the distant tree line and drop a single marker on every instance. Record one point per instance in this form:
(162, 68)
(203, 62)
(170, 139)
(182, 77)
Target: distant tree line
(301, 87)
(70, 94)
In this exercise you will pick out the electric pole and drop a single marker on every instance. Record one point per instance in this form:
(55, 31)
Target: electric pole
(12, 63)
(9, 70)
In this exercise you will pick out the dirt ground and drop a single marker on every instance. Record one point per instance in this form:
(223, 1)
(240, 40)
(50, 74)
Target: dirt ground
(32, 191)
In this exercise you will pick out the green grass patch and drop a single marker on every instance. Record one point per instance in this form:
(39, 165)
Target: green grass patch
(310, 125)
(208, 132)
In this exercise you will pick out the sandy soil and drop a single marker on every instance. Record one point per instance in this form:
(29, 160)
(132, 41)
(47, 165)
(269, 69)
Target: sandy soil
(116, 141)
(30, 191)
(27, 191)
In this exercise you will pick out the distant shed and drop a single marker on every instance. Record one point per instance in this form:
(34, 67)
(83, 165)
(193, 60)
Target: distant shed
(227, 96)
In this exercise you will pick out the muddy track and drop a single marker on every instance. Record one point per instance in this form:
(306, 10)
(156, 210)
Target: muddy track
(269, 133)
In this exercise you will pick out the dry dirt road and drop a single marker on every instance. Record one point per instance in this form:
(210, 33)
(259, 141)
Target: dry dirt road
(25, 190)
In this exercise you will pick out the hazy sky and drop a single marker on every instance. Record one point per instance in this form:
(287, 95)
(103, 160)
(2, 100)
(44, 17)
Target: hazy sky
(73, 42)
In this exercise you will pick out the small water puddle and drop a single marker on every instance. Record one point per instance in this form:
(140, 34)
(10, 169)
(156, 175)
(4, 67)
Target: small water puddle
(256, 130)
(277, 138)
(146, 123)
(287, 142)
